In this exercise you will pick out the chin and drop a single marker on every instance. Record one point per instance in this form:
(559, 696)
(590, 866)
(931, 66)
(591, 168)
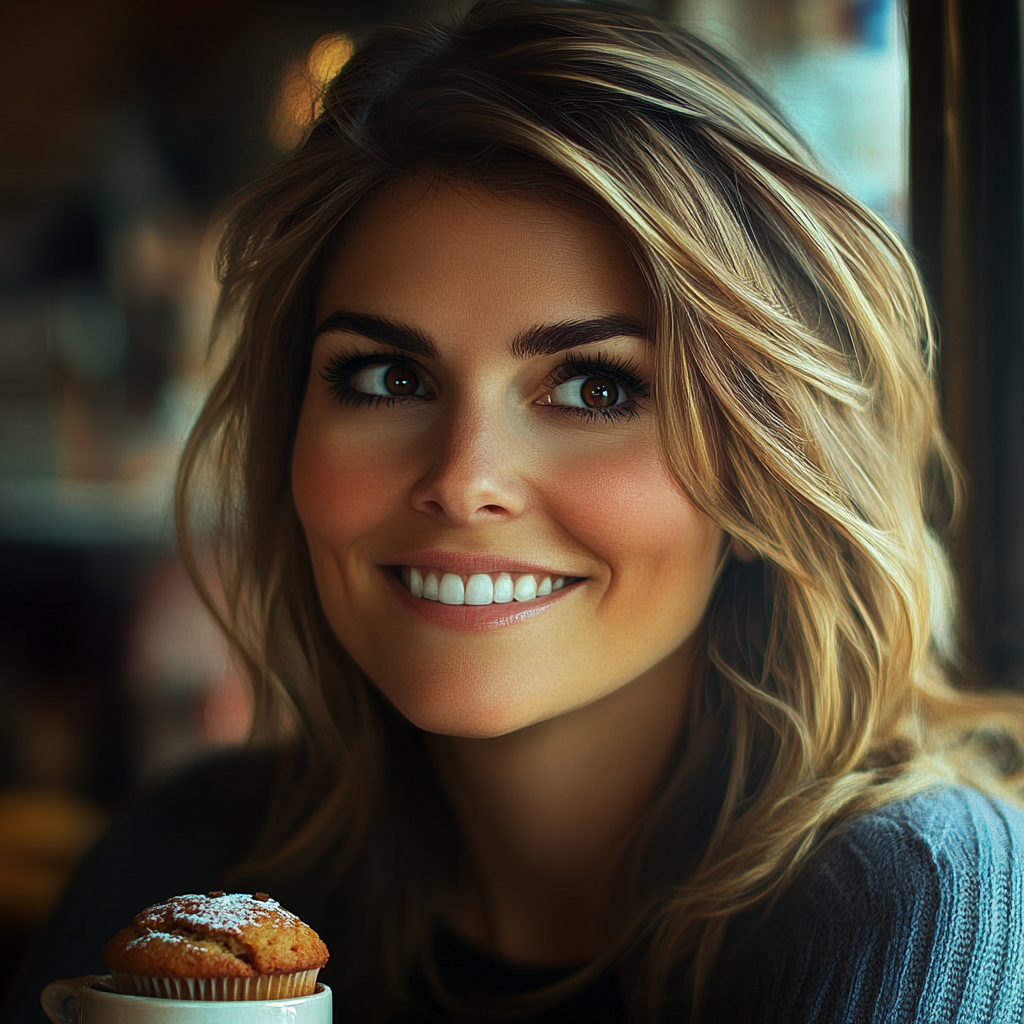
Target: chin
(466, 712)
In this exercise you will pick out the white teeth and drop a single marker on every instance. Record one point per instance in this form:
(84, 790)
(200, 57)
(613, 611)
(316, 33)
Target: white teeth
(504, 590)
(479, 589)
(452, 590)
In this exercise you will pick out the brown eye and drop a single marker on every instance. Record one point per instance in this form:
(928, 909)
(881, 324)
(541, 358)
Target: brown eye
(599, 392)
(589, 393)
(400, 380)
(389, 380)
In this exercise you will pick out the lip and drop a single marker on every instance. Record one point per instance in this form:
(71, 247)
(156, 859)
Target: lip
(474, 617)
(465, 564)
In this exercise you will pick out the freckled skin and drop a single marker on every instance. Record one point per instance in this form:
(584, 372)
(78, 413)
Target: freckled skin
(485, 466)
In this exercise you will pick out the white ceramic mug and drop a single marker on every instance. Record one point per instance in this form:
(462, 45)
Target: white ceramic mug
(92, 1000)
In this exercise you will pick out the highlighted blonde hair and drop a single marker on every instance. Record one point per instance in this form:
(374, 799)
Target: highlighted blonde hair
(796, 401)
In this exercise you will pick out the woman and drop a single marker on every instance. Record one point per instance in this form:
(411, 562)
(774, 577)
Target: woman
(580, 475)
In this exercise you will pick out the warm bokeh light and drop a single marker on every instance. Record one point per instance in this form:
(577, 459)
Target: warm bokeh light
(43, 833)
(328, 55)
(302, 83)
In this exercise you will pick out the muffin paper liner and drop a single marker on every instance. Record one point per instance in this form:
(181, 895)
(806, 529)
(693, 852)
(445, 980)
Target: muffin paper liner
(263, 986)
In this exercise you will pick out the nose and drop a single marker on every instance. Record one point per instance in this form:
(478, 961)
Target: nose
(472, 473)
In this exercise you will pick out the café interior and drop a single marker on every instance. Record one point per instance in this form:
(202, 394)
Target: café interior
(124, 128)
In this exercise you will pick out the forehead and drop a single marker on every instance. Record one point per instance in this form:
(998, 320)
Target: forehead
(460, 257)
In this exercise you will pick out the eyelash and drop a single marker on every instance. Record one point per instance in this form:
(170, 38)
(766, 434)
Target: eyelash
(625, 373)
(343, 367)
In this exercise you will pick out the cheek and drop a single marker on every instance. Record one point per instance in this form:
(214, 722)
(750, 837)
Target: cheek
(339, 486)
(630, 512)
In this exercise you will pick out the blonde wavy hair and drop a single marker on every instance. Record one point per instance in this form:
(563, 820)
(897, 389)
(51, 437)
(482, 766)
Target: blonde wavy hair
(796, 401)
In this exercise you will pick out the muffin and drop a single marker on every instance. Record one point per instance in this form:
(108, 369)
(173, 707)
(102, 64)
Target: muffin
(216, 947)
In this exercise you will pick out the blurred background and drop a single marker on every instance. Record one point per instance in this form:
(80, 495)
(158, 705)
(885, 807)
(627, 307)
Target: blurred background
(122, 127)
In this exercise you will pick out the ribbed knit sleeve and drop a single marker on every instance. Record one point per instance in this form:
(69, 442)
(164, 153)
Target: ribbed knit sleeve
(913, 914)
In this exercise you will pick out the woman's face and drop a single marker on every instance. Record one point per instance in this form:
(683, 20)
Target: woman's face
(494, 535)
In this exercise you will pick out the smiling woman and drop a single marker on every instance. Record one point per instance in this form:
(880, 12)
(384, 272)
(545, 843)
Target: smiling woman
(581, 486)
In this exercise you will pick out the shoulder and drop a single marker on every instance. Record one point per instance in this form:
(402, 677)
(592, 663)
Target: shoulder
(960, 827)
(181, 836)
(190, 827)
(212, 795)
(912, 912)
(948, 847)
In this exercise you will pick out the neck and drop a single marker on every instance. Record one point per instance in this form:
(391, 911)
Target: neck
(547, 813)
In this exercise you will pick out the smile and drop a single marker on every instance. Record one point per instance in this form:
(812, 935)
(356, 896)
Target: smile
(479, 588)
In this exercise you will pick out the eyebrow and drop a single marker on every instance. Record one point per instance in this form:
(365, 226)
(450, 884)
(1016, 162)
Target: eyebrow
(376, 328)
(541, 340)
(550, 339)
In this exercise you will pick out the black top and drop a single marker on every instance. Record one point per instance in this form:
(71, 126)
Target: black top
(913, 913)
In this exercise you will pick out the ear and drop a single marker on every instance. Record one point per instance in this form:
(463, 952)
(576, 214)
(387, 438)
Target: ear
(741, 552)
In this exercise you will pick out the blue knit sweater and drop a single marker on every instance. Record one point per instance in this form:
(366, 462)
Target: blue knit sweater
(912, 914)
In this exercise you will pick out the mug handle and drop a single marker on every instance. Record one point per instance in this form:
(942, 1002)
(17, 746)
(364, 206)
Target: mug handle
(60, 998)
